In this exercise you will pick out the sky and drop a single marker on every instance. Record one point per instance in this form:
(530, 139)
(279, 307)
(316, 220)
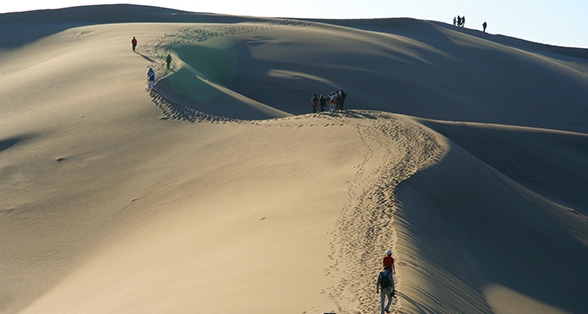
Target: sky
(554, 22)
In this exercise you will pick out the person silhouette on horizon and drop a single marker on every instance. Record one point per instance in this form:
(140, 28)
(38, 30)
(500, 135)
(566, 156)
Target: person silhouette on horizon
(484, 26)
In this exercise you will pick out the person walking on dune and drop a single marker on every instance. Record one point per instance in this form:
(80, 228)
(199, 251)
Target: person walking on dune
(168, 60)
(389, 261)
(134, 43)
(484, 26)
(385, 287)
(151, 78)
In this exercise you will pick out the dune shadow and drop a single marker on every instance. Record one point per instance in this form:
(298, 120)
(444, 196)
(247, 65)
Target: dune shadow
(549, 162)
(418, 307)
(203, 82)
(27, 33)
(6, 144)
(13, 141)
(484, 222)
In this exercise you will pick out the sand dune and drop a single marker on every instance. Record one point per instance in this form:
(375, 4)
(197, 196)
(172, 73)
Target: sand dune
(219, 191)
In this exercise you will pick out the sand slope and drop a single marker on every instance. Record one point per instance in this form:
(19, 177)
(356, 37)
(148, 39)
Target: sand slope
(463, 152)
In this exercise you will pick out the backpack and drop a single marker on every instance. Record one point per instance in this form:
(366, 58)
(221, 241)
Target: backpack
(385, 280)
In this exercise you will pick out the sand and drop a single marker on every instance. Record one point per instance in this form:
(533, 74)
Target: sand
(220, 191)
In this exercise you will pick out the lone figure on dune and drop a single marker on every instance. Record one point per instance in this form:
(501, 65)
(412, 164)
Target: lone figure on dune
(484, 26)
(134, 43)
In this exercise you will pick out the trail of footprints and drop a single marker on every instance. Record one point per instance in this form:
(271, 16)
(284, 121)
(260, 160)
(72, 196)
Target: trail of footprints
(395, 149)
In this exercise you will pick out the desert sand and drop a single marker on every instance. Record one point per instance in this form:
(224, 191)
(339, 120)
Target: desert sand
(219, 191)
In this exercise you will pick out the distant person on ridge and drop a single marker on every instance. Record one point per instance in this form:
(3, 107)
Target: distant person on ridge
(385, 287)
(389, 261)
(314, 101)
(134, 43)
(168, 60)
(484, 26)
(463, 21)
(454, 21)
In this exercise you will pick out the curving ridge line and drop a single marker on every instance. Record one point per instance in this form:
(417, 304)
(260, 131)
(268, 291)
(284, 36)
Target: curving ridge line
(265, 110)
(397, 147)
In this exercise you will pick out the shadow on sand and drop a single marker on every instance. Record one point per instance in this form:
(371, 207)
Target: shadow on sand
(145, 57)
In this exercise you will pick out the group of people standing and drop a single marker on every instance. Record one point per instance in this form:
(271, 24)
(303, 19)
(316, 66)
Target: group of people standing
(459, 21)
(335, 101)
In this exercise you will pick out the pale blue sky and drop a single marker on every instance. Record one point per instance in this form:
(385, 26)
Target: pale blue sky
(556, 22)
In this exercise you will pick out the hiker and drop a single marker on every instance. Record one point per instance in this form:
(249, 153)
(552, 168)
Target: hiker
(134, 43)
(389, 261)
(314, 101)
(484, 26)
(323, 103)
(385, 287)
(454, 20)
(168, 60)
(342, 96)
(151, 77)
(463, 21)
(458, 21)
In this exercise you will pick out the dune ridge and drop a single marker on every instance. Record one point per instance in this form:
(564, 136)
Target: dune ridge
(463, 152)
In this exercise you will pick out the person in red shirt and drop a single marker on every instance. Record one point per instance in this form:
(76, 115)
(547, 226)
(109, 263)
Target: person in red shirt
(389, 261)
(134, 43)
